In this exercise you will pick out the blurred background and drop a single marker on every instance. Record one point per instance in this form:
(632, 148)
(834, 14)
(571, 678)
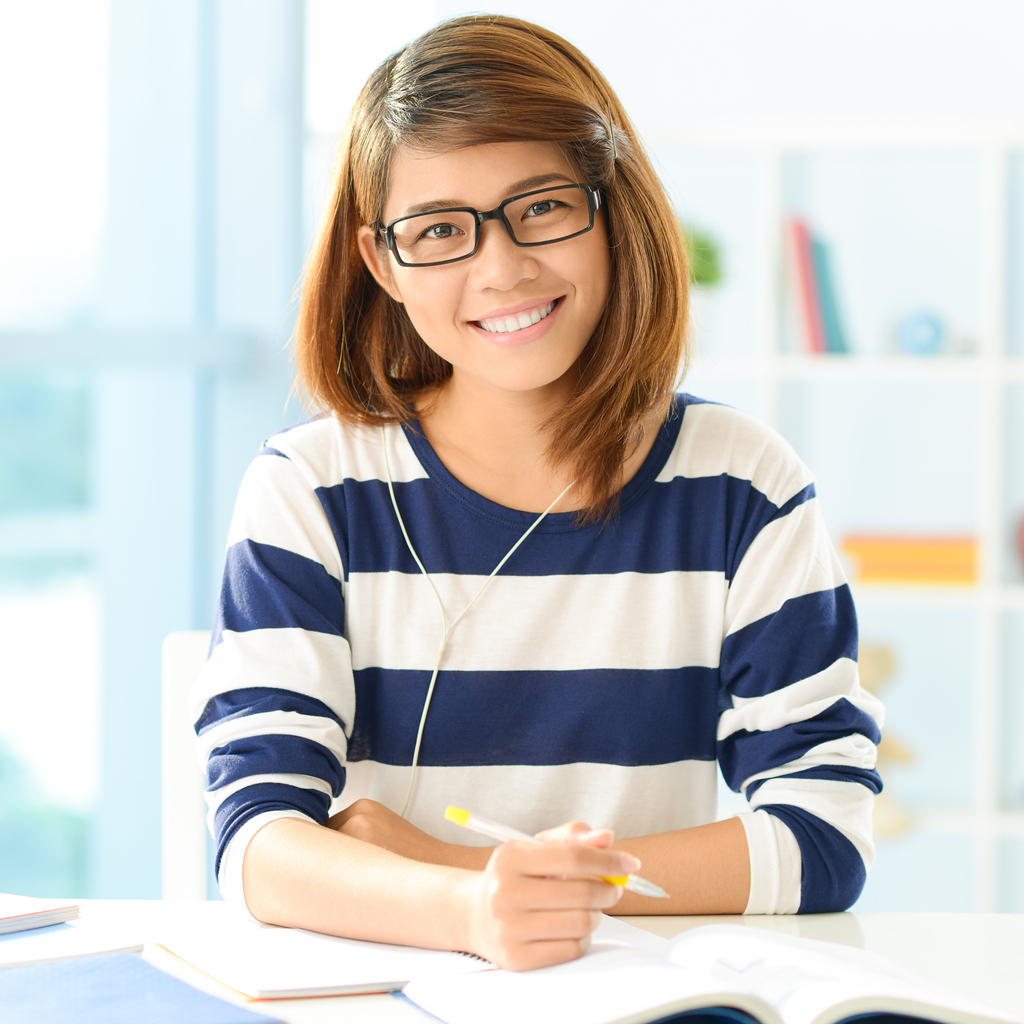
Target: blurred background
(851, 179)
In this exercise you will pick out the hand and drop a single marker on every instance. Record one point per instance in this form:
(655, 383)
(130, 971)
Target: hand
(374, 823)
(534, 906)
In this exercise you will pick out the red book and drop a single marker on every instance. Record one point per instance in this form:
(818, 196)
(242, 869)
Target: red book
(806, 294)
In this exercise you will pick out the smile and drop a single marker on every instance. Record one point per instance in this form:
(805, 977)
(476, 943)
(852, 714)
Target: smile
(519, 322)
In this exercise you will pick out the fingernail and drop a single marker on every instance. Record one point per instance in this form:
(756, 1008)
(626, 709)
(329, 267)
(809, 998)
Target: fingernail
(629, 863)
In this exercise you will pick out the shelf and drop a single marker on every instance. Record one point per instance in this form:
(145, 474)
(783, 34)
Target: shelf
(998, 823)
(800, 366)
(1004, 596)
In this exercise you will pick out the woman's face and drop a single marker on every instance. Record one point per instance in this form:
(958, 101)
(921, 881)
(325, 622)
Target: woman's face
(448, 304)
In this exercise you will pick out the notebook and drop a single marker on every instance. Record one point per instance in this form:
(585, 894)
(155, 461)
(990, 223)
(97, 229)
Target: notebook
(264, 961)
(20, 913)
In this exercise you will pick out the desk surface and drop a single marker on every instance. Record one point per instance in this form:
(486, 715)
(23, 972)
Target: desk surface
(981, 955)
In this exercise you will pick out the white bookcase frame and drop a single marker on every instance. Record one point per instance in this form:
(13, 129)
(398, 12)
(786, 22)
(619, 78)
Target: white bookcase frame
(991, 369)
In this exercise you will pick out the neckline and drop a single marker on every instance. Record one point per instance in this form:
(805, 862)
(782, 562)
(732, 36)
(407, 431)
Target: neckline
(555, 522)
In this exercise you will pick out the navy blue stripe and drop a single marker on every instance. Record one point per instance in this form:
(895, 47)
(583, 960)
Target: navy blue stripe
(238, 808)
(267, 450)
(272, 754)
(267, 587)
(796, 501)
(802, 638)
(701, 524)
(258, 700)
(748, 753)
(833, 773)
(620, 716)
(833, 871)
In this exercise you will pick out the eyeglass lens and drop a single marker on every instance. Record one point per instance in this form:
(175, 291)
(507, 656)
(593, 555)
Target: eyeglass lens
(540, 217)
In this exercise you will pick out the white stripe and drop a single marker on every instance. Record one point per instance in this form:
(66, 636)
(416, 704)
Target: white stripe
(775, 865)
(621, 620)
(633, 801)
(316, 665)
(715, 439)
(853, 751)
(324, 731)
(229, 878)
(846, 806)
(215, 797)
(789, 558)
(276, 505)
(329, 452)
(800, 701)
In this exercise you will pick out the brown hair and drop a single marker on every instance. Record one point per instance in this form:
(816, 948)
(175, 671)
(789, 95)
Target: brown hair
(481, 79)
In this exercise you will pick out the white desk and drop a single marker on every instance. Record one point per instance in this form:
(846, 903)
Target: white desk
(978, 954)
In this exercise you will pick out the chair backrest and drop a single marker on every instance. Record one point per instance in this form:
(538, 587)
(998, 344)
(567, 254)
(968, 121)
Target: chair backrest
(183, 805)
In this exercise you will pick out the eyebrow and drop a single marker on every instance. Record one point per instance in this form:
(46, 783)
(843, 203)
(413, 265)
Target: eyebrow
(517, 187)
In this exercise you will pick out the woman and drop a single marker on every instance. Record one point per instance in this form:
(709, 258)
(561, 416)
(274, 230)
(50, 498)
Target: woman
(509, 569)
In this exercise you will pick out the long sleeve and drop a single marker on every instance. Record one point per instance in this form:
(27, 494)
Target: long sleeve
(797, 733)
(274, 705)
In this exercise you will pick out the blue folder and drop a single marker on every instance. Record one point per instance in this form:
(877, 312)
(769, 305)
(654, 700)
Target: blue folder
(114, 988)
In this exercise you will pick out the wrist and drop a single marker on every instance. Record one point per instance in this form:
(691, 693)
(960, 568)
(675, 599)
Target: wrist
(465, 899)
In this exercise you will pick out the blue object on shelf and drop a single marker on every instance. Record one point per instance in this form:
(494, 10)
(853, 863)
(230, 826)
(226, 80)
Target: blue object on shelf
(921, 333)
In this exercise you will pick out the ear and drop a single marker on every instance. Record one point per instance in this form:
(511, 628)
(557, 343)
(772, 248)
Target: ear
(377, 261)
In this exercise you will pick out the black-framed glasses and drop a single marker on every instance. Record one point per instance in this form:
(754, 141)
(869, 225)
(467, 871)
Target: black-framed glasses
(540, 217)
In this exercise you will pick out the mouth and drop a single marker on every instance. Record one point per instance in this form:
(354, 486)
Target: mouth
(518, 321)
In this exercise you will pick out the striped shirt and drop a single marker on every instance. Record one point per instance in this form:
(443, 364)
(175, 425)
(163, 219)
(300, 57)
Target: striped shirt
(606, 674)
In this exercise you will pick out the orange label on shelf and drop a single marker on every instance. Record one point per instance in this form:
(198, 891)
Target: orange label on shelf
(913, 559)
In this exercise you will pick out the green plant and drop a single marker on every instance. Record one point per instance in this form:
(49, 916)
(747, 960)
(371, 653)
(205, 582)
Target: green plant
(703, 253)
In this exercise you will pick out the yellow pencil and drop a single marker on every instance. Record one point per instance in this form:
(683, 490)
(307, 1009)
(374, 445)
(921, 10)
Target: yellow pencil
(505, 834)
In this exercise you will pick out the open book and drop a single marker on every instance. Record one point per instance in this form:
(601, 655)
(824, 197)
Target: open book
(749, 973)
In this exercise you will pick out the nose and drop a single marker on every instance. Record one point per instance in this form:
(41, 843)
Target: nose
(499, 263)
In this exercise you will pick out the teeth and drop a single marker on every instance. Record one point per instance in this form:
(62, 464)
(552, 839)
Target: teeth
(516, 323)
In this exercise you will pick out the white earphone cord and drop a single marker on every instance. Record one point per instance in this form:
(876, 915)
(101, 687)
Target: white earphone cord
(446, 630)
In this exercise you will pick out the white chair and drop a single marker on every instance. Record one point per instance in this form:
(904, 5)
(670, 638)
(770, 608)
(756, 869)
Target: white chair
(183, 806)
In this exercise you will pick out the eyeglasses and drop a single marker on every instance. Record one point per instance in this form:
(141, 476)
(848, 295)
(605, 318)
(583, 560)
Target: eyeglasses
(540, 217)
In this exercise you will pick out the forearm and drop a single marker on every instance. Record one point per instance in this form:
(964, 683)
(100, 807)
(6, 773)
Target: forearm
(303, 875)
(706, 870)
(531, 906)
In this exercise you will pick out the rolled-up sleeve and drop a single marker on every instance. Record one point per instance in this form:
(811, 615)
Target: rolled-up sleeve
(797, 734)
(274, 705)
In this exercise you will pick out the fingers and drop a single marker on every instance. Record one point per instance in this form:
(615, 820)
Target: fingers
(560, 860)
(532, 955)
(577, 832)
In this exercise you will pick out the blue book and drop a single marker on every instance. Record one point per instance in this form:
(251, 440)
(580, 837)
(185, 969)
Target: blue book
(835, 340)
(115, 988)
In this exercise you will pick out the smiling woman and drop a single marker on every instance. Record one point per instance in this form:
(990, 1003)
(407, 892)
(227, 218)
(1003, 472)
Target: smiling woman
(635, 588)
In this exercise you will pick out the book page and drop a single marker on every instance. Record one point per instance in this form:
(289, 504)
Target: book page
(623, 977)
(810, 982)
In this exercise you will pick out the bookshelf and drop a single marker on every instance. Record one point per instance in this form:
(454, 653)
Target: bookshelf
(758, 168)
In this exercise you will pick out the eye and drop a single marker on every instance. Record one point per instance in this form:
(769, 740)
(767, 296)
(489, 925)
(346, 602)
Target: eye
(542, 206)
(440, 231)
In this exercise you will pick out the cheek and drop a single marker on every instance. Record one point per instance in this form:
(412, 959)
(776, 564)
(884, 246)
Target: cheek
(432, 299)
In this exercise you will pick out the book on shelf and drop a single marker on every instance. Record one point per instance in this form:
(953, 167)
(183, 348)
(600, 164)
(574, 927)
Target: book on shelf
(811, 290)
(21, 913)
(909, 559)
(738, 974)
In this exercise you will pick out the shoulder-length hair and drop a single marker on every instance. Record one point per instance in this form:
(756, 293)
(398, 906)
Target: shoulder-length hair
(485, 79)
